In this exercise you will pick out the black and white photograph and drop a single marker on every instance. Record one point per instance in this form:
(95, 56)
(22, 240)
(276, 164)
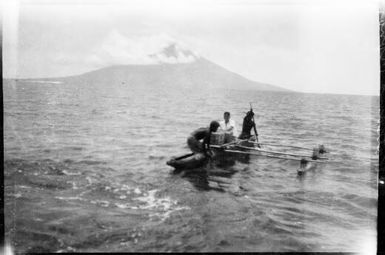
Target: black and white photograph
(191, 125)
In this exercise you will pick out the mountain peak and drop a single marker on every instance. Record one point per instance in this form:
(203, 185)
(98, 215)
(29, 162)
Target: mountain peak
(173, 53)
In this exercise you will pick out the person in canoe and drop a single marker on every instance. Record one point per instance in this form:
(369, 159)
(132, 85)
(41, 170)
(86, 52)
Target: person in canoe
(248, 125)
(228, 125)
(202, 134)
(199, 143)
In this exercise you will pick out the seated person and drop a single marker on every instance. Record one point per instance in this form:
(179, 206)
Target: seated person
(228, 125)
(204, 134)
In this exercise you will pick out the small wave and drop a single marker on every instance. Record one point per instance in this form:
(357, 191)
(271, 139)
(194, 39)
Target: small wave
(281, 229)
(150, 201)
(70, 173)
(126, 206)
(23, 187)
(125, 187)
(16, 195)
(39, 242)
(74, 186)
(68, 161)
(165, 145)
(360, 201)
(89, 180)
(167, 214)
(122, 206)
(163, 206)
(111, 191)
(156, 157)
(49, 183)
(70, 198)
(92, 162)
(102, 203)
(75, 148)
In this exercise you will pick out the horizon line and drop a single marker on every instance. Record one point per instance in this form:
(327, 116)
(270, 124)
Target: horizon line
(275, 91)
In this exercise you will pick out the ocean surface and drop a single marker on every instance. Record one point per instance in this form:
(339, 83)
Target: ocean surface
(85, 171)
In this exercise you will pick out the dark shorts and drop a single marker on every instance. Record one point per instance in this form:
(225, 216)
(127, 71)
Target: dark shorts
(194, 145)
(247, 136)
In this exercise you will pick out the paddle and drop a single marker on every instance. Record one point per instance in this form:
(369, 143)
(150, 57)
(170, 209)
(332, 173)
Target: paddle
(255, 128)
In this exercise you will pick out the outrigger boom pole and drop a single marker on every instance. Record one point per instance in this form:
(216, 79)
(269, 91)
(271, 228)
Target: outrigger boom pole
(277, 152)
(273, 156)
(277, 145)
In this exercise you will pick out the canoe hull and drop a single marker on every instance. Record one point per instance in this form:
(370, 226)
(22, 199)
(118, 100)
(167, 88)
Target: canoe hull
(188, 161)
(198, 160)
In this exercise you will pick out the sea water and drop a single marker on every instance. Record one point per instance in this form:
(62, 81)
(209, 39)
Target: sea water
(85, 170)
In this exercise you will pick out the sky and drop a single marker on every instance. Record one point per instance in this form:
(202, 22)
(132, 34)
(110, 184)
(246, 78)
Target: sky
(304, 45)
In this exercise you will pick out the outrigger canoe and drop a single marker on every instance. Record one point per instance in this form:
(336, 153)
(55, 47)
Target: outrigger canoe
(240, 147)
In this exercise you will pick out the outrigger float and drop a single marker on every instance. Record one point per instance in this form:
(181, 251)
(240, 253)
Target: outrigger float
(239, 147)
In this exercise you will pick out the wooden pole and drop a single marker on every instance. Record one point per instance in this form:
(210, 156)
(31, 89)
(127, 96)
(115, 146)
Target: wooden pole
(288, 146)
(226, 144)
(271, 156)
(276, 152)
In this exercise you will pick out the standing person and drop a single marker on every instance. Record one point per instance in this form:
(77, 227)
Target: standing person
(248, 125)
(204, 134)
(228, 125)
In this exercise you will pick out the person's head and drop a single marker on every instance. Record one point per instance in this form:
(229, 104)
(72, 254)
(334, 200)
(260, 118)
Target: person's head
(226, 116)
(214, 126)
(250, 114)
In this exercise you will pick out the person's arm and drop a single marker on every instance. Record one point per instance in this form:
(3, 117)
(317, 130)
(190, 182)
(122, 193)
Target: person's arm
(220, 128)
(234, 128)
(230, 129)
(206, 146)
(255, 129)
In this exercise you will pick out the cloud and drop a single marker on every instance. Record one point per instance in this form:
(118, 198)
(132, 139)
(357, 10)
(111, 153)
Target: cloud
(117, 49)
(181, 58)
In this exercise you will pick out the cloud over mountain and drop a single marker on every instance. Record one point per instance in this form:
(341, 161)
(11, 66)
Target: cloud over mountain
(117, 49)
(174, 54)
